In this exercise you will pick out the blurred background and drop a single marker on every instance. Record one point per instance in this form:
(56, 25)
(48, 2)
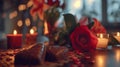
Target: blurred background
(15, 14)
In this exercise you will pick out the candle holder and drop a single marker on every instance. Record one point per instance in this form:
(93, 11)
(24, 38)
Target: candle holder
(117, 36)
(102, 40)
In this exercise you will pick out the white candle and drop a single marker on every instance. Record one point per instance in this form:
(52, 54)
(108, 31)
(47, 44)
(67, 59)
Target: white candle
(102, 42)
(117, 36)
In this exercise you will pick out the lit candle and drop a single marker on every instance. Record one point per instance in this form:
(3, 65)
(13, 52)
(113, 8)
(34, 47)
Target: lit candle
(31, 38)
(14, 40)
(102, 42)
(46, 28)
(117, 36)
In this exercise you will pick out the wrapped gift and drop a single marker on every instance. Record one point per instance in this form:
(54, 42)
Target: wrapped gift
(56, 53)
(32, 56)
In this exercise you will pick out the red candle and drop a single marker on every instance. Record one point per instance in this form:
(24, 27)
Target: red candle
(14, 40)
(31, 38)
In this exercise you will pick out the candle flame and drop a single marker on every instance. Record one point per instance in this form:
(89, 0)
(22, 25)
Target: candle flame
(31, 31)
(14, 32)
(46, 28)
(118, 34)
(101, 35)
(108, 35)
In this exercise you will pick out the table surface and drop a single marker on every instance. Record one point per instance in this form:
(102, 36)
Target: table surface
(107, 57)
(102, 58)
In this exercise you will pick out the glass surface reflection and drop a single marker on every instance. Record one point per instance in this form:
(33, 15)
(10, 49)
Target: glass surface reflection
(107, 58)
(100, 61)
(117, 55)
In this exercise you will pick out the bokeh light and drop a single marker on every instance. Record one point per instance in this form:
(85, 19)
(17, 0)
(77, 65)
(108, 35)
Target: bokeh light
(27, 22)
(29, 4)
(19, 23)
(21, 7)
(13, 14)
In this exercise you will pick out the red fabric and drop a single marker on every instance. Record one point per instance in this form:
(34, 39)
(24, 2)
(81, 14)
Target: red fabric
(83, 39)
(97, 27)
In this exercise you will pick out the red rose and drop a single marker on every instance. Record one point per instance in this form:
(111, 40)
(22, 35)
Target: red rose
(82, 39)
(97, 27)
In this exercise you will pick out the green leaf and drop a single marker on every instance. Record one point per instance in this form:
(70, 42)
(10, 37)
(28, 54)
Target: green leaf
(70, 22)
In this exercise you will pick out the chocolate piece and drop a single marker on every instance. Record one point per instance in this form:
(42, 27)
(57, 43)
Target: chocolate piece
(32, 56)
(56, 53)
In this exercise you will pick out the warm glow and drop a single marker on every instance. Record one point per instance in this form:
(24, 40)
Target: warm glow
(90, 2)
(14, 32)
(118, 33)
(19, 23)
(46, 28)
(27, 22)
(32, 31)
(97, 35)
(101, 35)
(34, 28)
(22, 7)
(77, 4)
(117, 56)
(108, 35)
(13, 14)
(29, 4)
(100, 60)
